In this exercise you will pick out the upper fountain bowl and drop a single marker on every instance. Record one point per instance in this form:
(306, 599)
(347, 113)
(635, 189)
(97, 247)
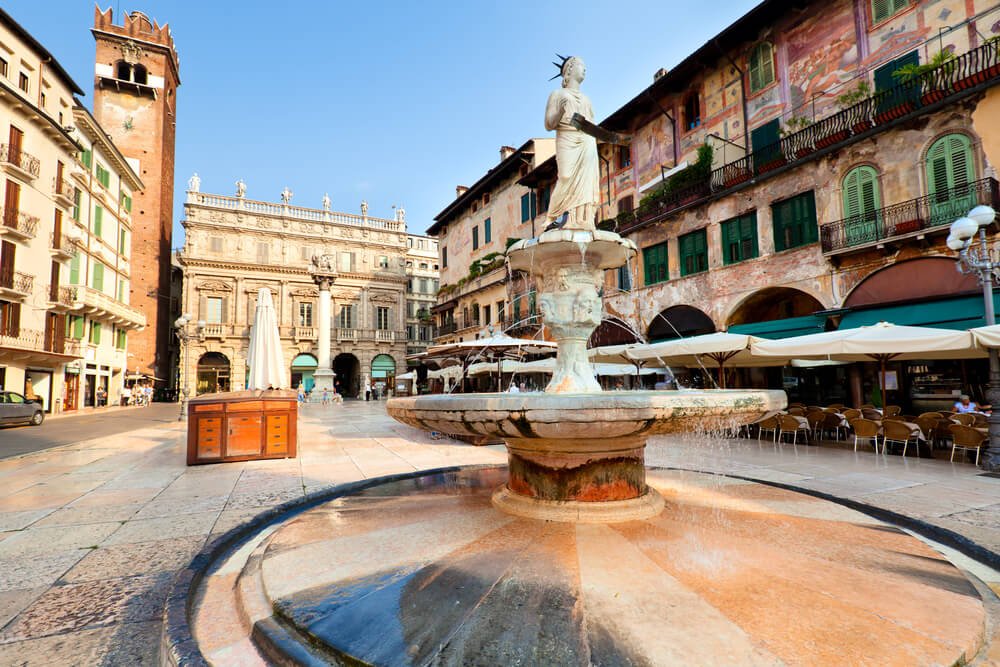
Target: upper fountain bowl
(597, 249)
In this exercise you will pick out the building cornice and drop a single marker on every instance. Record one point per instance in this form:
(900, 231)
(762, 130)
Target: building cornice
(304, 273)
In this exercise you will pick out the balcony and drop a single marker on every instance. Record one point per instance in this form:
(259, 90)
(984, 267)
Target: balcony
(304, 333)
(99, 305)
(62, 192)
(913, 218)
(216, 330)
(19, 163)
(60, 298)
(449, 327)
(348, 334)
(16, 285)
(62, 247)
(32, 345)
(386, 336)
(966, 75)
(18, 225)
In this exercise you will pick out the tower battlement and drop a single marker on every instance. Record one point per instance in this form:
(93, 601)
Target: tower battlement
(136, 26)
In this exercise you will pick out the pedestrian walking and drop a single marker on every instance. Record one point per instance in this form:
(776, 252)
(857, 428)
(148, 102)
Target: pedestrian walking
(102, 397)
(326, 397)
(126, 395)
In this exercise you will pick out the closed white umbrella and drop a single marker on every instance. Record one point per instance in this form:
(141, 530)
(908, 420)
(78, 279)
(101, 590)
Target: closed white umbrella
(986, 336)
(267, 365)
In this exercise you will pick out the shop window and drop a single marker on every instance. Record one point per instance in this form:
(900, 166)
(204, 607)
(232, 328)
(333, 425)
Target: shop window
(739, 238)
(795, 222)
(693, 249)
(654, 263)
(761, 69)
(692, 111)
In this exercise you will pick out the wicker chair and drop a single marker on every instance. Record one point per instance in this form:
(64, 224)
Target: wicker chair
(834, 423)
(981, 419)
(851, 414)
(965, 418)
(839, 407)
(929, 425)
(865, 429)
(797, 411)
(768, 425)
(966, 438)
(867, 405)
(936, 415)
(871, 413)
(816, 419)
(892, 410)
(789, 424)
(897, 431)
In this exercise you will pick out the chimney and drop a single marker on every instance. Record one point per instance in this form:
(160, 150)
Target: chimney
(460, 190)
(506, 152)
(660, 73)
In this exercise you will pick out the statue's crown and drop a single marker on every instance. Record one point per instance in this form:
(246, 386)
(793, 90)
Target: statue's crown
(561, 65)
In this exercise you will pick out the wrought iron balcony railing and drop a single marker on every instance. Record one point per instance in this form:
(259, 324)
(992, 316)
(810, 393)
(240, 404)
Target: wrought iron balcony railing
(28, 165)
(449, 327)
(943, 85)
(935, 210)
(18, 223)
(15, 282)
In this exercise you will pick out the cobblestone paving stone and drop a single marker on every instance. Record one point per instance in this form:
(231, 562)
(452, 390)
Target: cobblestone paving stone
(92, 533)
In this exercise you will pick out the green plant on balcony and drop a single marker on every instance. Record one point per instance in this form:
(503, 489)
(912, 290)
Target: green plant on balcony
(445, 290)
(794, 124)
(685, 179)
(860, 91)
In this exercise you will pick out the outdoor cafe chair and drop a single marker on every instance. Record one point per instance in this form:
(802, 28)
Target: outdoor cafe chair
(867, 405)
(865, 429)
(768, 424)
(981, 419)
(965, 419)
(929, 425)
(834, 423)
(797, 411)
(871, 413)
(789, 424)
(851, 414)
(967, 438)
(816, 419)
(894, 418)
(936, 415)
(839, 407)
(897, 431)
(892, 410)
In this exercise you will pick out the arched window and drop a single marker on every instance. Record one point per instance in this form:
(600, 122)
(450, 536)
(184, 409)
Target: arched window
(949, 173)
(123, 71)
(761, 68)
(139, 74)
(692, 111)
(861, 203)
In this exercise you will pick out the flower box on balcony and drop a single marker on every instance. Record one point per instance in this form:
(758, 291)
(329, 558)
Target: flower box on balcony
(932, 96)
(736, 179)
(907, 227)
(804, 151)
(861, 126)
(897, 111)
(974, 79)
(831, 139)
(772, 165)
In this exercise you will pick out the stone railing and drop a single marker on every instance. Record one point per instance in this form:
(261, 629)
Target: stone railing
(99, 303)
(36, 341)
(23, 162)
(304, 333)
(217, 330)
(19, 223)
(294, 212)
(348, 334)
(384, 335)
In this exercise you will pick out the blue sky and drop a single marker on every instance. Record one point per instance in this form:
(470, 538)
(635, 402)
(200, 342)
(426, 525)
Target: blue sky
(392, 102)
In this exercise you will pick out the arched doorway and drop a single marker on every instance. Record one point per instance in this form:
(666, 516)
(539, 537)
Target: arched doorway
(785, 306)
(679, 322)
(303, 367)
(612, 331)
(213, 373)
(383, 373)
(347, 371)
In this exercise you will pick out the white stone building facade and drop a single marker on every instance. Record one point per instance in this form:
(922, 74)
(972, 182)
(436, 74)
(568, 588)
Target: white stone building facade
(234, 246)
(422, 274)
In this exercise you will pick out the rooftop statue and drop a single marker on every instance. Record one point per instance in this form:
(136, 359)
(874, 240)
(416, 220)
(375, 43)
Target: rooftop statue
(241, 189)
(194, 183)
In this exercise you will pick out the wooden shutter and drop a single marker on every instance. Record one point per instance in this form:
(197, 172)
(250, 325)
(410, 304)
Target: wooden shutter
(54, 282)
(7, 253)
(12, 203)
(14, 151)
(98, 220)
(59, 175)
(74, 270)
(525, 208)
(57, 229)
(949, 164)
(78, 324)
(98, 282)
(761, 67)
(14, 324)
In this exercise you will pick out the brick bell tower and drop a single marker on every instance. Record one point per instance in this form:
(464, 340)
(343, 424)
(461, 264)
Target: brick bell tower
(136, 76)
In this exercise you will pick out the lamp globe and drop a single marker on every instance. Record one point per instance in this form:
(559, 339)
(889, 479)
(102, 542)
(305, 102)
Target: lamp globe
(983, 215)
(964, 228)
(955, 243)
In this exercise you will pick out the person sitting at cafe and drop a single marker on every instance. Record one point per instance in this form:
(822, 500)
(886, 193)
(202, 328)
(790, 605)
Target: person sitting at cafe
(964, 405)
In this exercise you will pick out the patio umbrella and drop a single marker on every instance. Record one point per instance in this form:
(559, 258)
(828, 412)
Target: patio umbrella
(490, 348)
(717, 349)
(986, 336)
(882, 342)
(267, 365)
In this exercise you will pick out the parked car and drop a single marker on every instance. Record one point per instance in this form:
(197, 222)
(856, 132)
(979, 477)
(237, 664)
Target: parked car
(16, 409)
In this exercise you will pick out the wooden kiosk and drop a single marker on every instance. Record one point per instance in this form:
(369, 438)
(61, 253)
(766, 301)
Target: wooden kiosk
(242, 426)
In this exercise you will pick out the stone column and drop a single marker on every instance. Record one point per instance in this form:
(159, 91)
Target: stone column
(323, 274)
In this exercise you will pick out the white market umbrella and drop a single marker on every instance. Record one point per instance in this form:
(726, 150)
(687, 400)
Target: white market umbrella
(715, 349)
(407, 376)
(986, 337)
(882, 342)
(489, 348)
(267, 364)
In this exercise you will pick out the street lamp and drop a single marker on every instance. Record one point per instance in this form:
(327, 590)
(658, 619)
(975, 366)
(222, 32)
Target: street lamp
(183, 335)
(977, 259)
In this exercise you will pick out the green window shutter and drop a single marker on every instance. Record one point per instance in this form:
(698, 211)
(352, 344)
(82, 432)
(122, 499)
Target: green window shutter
(525, 207)
(487, 231)
(761, 69)
(883, 9)
(95, 333)
(121, 243)
(98, 281)
(795, 222)
(98, 220)
(748, 236)
(126, 202)
(694, 252)
(76, 204)
(861, 194)
(74, 270)
(654, 260)
(87, 158)
(78, 323)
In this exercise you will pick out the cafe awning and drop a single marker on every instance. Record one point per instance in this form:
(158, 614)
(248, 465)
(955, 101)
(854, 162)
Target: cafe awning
(786, 328)
(964, 312)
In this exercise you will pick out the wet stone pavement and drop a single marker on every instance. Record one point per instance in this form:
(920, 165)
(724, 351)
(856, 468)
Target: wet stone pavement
(92, 533)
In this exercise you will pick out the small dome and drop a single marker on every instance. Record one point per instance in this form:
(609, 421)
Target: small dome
(144, 23)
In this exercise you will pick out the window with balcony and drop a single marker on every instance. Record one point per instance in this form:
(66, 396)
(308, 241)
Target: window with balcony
(861, 204)
(795, 222)
(475, 237)
(654, 264)
(97, 277)
(528, 205)
(500, 313)
(692, 111)
(382, 318)
(739, 238)
(12, 204)
(10, 319)
(487, 230)
(761, 67)
(883, 9)
(213, 309)
(8, 251)
(54, 272)
(423, 334)
(76, 204)
(486, 315)
(949, 173)
(345, 318)
(95, 333)
(305, 314)
(693, 249)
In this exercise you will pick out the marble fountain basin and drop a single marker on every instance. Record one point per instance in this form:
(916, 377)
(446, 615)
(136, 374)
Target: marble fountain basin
(581, 457)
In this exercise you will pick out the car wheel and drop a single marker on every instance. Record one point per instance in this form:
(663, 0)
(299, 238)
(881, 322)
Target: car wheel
(37, 418)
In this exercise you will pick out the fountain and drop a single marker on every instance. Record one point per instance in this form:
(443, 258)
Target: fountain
(576, 453)
(571, 555)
